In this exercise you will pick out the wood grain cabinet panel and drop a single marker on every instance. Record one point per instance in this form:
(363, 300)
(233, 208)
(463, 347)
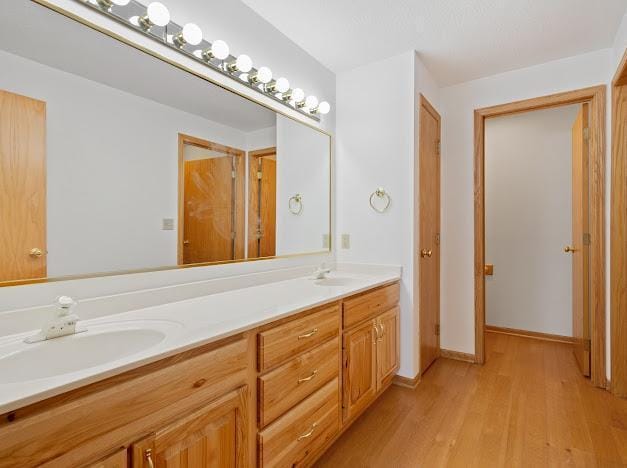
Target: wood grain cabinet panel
(283, 342)
(359, 377)
(298, 436)
(284, 387)
(118, 459)
(211, 437)
(388, 349)
(368, 305)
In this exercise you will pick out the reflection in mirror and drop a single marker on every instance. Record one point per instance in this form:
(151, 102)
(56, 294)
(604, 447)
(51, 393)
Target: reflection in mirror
(112, 160)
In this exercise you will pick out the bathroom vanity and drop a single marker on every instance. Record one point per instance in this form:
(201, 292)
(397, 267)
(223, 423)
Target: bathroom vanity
(274, 393)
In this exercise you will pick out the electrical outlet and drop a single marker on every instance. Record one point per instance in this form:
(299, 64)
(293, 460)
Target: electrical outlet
(346, 241)
(167, 224)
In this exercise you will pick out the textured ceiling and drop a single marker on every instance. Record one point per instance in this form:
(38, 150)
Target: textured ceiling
(458, 40)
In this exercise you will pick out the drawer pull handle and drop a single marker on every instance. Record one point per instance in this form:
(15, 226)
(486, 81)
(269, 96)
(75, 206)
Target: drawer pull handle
(148, 455)
(307, 379)
(307, 335)
(308, 433)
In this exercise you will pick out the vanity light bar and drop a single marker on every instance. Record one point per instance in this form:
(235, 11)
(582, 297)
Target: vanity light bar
(154, 21)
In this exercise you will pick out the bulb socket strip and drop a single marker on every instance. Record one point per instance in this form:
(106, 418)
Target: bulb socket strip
(133, 15)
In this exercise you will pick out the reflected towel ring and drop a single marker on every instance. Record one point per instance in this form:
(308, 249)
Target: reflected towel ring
(295, 204)
(380, 193)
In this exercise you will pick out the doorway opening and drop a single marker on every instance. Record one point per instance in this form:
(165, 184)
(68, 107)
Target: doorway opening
(573, 264)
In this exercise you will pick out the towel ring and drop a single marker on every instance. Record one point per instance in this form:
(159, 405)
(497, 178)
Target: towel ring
(295, 204)
(380, 193)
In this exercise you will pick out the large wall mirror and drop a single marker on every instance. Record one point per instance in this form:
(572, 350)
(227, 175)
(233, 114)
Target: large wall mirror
(112, 160)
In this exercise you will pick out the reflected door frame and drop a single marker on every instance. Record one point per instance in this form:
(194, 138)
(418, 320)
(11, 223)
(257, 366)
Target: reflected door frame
(254, 202)
(239, 221)
(595, 97)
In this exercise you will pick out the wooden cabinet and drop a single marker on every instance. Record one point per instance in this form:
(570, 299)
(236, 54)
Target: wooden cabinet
(211, 437)
(371, 358)
(360, 380)
(118, 459)
(388, 349)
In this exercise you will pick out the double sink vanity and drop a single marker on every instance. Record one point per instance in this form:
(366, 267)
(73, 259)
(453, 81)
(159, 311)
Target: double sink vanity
(266, 375)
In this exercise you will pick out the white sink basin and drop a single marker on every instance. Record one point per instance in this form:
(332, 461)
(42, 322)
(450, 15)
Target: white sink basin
(335, 281)
(100, 344)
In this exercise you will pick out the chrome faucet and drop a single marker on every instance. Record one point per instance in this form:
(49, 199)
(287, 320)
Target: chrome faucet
(63, 324)
(321, 272)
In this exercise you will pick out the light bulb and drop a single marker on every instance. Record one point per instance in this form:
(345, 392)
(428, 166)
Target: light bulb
(192, 34)
(324, 107)
(107, 4)
(311, 102)
(263, 75)
(220, 49)
(120, 2)
(158, 14)
(298, 95)
(244, 63)
(282, 85)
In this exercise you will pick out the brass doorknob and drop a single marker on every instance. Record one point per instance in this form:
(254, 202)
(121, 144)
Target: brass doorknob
(35, 252)
(569, 249)
(425, 253)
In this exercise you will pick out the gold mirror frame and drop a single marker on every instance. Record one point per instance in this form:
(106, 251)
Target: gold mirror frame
(180, 66)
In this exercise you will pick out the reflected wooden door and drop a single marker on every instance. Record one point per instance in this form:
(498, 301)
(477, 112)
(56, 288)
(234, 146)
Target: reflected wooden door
(428, 249)
(579, 248)
(208, 228)
(262, 204)
(23, 182)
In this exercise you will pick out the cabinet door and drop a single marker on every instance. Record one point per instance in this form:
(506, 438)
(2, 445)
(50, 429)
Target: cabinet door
(214, 436)
(360, 383)
(388, 350)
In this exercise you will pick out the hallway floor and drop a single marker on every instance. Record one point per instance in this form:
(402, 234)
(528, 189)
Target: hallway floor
(528, 406)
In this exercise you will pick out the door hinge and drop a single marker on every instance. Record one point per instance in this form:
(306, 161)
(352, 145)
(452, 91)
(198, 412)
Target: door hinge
(259, 175)
(437, 238)
(232, 234)
(586, 133)
(438, 147)
(232, 174)
(587, 238)
(437, 329)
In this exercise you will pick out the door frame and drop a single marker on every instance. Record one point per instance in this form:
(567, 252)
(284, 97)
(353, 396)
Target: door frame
(254, 155)
(424, 103)
(239, 193)
(618, 235)
(595, 97)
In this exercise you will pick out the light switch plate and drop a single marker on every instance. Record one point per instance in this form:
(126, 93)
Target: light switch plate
(346, 241)
(325, 241)
(168, 224)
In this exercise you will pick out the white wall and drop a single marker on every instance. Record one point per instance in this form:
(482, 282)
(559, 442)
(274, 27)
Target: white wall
(260, 139)
(112, 169)
(242, 29)
(528, 199)
(375, 148)
(458, 104)
(303, 167)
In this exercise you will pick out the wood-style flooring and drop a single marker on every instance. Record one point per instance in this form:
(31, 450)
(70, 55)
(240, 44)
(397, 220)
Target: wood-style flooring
(528, 406)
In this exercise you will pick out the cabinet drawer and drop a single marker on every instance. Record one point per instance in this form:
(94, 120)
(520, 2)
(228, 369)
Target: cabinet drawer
(360, 308)
(284, 387)
(112, 412)
(296, 437)
(284, 341)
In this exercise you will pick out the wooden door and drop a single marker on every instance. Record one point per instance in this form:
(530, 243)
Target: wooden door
(23, 182)
(388, 349)
(428, 249)
(212, 437)
(360, 379)
(209, 210)
(262, 204)
(579, 249)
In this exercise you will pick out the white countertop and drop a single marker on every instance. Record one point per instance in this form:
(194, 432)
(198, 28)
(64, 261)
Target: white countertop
(189, 323)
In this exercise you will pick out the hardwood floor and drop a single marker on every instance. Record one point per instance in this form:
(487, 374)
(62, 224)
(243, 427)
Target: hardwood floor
(527, 406)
